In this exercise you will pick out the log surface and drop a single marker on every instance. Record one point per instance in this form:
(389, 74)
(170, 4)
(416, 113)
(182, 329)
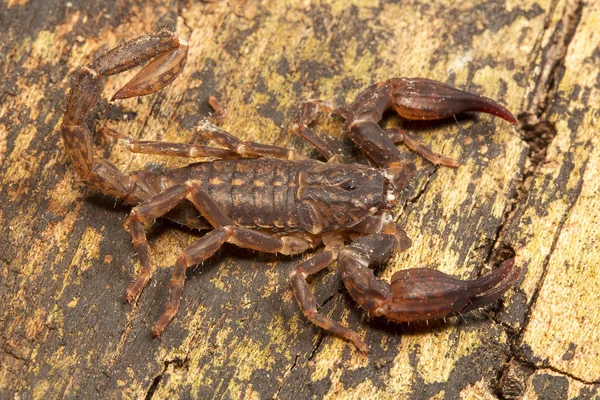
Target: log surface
(66, 257)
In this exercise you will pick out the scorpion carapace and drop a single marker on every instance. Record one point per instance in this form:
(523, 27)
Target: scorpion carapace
(275, 200)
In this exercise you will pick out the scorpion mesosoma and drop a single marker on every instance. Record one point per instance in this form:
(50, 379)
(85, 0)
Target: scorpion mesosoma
(275, 200)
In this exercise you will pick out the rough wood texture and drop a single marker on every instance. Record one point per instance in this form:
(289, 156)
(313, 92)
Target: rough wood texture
(66, 259)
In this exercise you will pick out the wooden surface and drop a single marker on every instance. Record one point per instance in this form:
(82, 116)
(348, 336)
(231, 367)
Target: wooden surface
(66, 259)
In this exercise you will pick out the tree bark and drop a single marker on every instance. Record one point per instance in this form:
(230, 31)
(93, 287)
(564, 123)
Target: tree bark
(66, 258)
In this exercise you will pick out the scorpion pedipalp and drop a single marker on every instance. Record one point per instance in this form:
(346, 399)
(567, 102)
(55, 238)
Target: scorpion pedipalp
(411, 98)
(416, 294)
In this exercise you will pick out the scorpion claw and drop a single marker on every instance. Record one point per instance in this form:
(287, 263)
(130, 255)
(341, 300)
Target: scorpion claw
(426, 99)
(416, 294)
(422, 294)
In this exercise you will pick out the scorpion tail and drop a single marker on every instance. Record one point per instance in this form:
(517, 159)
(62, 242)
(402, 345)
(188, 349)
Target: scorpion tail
(170, 53)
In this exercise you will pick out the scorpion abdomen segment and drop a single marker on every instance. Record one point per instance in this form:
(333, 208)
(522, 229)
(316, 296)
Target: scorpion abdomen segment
(254, 193)
(84, 94)
(134, 52)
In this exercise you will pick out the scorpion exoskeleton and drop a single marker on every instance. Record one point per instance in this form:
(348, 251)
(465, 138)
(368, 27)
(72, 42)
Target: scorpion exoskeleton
(276, 200)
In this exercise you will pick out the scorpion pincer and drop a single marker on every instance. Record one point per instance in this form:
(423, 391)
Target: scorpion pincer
(276, 200)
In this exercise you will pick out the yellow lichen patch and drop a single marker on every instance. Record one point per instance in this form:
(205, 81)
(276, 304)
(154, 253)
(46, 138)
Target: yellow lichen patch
(19, 166)
(85, 256)
(245, 356)
(408, 51)
(73, 302)
(479, 391)
(45, 48)
(41, 389)
(228, 270)
(35, 324)
(130, 388)
(12, 3)
(340, 6)
(355, 66)
(401, 374)
(278, 332)
(564, 327)
(438, 352)
(63, 362)
(368, 390)
(537, 248)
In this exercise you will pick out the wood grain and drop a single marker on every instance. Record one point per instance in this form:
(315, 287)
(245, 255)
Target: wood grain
(66, 258)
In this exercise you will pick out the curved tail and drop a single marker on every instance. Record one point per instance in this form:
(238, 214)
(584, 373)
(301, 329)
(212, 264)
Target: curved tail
(168, 53)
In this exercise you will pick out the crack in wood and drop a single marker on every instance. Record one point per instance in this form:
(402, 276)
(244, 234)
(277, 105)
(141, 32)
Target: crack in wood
(539, 134)
(286, 376)
(552, 60)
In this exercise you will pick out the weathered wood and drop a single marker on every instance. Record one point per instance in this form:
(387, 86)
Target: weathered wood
(66, 259)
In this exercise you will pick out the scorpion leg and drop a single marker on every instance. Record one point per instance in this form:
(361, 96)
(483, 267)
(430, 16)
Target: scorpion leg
(171, 149)
(412, 142)
(202, 249)
(308, 304)
(308, 113)
(149, 210)
(417, 294)
(225, 231)
(247, 148)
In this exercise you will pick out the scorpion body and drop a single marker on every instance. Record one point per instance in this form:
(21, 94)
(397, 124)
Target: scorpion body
(280, 196)
(275, 200)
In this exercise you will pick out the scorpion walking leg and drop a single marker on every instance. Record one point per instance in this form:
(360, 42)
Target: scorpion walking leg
(225, 231)
(246, 148)
(308, 114)
(308, 304)
(195, 254)
(171, 149)
(412, 142)
(152, 209)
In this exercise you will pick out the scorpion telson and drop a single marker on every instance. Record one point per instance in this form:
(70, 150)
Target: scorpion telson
(275, 200)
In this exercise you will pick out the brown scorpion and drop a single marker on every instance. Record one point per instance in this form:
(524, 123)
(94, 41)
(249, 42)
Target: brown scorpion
(276, 200)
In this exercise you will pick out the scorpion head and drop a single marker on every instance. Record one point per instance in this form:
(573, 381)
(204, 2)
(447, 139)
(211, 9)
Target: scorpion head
(335, 197)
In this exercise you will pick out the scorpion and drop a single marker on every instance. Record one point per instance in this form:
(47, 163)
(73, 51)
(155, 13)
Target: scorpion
(276, 200)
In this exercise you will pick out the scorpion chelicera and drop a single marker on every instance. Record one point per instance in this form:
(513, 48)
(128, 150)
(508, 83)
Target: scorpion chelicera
(276, 200)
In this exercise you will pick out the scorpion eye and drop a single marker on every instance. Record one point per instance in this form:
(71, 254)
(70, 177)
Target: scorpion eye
(348, 185)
